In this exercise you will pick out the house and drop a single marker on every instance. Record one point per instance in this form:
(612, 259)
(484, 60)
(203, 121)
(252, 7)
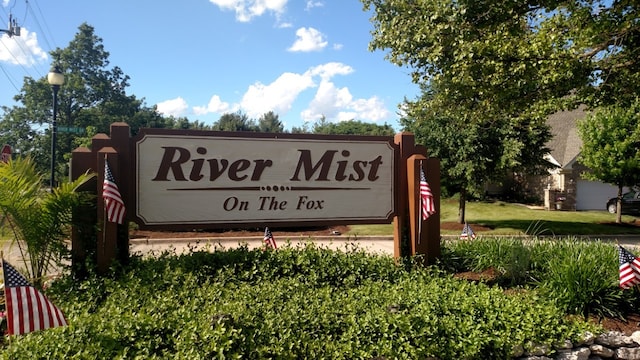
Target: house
(565, 187)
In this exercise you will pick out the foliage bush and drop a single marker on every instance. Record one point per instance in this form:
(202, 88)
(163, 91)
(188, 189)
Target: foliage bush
(509, 256)
(580, 276)
(583, 279)
(38, 218)
(296, 302)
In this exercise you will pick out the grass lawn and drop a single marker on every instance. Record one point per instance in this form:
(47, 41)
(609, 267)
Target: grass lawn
(500, 218)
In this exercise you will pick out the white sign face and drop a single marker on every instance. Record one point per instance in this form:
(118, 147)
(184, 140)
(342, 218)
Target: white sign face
(232, 180)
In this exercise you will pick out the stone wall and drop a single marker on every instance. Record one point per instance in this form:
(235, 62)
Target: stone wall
(610, 345)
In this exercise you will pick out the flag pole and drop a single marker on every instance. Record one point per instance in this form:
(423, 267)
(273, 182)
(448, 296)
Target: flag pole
(104, 211)
(4, 294)
(420, 219)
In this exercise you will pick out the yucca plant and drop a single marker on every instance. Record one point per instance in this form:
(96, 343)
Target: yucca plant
(39, 218)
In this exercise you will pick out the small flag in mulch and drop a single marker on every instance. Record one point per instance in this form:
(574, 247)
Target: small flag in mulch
(467, 232)
(269, 240)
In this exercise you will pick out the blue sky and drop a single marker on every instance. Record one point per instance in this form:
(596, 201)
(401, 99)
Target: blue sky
(302, 59)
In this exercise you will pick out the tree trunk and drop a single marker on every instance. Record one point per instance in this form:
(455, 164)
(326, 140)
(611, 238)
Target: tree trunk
(461, 205)
(619, 206)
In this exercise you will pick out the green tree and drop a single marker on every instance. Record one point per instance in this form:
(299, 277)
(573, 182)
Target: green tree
(93, 95)
(607, 35)
(199, 125)
(611, 146)
(237, 121)
(21, 135)
(318, 127)
(352, 127)
(181, 123)
(39, 219)
(472, 153)
(492, 60)
(270, 122)
(513, 54)
(507, 65)
(304, 129)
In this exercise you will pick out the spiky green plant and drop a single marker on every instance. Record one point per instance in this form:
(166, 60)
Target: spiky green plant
(538, 228)
(38, 218)
(582, 277)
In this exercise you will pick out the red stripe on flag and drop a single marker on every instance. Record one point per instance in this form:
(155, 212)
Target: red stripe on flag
(27, 308)
(426, 197)
(629, 270)
(113, 203)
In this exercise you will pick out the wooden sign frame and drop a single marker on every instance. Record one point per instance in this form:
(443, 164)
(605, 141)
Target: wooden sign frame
(412, 235)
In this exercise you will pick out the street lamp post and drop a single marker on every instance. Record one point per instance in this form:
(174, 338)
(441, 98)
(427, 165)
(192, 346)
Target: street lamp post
(55, 78)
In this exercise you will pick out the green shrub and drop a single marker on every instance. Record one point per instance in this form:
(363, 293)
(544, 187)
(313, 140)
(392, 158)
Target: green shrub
(306, 302)
(582, 277)
(38, 218)
(510, 257)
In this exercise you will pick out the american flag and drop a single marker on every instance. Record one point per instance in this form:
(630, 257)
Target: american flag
(113, 204)
(269, 240)
(426, 197)
(27, 309)
(467, 232)
(629, 268)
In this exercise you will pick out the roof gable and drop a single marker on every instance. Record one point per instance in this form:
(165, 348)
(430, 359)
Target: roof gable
(565, 142)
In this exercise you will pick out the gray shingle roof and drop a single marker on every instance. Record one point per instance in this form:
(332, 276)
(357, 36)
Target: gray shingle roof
(565, 143)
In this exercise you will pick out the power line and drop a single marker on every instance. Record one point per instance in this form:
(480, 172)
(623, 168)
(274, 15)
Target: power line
(14, 5)
(42, 30)
(16, 60)
(9, 78)
(13, 33)
(30, 14)
(20, 53)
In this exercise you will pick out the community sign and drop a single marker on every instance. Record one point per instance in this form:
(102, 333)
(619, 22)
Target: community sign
(222, 179)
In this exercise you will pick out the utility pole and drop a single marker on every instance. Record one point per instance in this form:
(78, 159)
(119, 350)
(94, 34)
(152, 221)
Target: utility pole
(14, 29)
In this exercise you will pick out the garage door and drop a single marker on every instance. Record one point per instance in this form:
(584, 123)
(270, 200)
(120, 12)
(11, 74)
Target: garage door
(593, 195)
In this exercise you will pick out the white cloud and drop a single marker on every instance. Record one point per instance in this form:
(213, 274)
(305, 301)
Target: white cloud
(308, 39)
(371, 109)
(329, 70)
(311, 4)
(347, 115)
(277, 96)
(216, 105)
(338, 103)
(333, 102)
(174, 107)
(22, 50)
(327, 102)
(247, 9)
